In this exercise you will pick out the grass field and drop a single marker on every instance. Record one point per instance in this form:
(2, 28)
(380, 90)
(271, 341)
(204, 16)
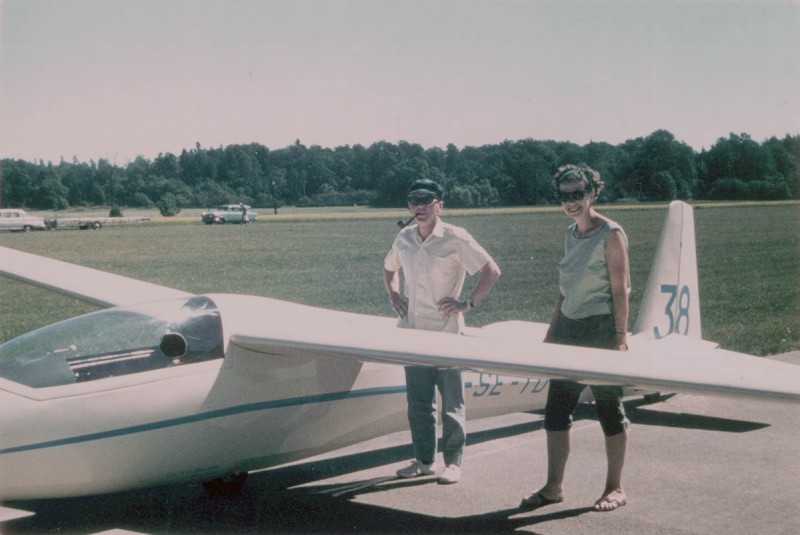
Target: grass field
(748, 255)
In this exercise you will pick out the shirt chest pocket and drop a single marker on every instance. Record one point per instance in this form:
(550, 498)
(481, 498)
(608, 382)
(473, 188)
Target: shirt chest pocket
(445, 262)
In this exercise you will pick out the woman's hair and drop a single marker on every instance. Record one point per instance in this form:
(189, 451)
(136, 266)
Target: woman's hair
(579, 173)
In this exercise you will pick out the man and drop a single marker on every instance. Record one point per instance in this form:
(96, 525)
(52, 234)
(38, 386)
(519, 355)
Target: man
(435, 257)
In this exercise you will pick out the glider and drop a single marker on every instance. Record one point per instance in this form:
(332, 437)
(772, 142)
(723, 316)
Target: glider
(165, 386)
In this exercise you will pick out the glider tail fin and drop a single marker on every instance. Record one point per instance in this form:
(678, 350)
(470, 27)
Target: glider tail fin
(671, 302)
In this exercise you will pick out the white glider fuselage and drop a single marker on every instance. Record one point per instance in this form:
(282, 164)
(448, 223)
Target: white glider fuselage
(201, 420)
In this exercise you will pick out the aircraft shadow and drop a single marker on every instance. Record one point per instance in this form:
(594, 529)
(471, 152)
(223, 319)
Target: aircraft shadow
(273, 502)
(269, 503)
(172, 511)
(683, 420)
(298, 474)
(643, 411)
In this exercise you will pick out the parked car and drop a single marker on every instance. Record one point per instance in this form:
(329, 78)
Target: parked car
(228, 213)
(17, 219)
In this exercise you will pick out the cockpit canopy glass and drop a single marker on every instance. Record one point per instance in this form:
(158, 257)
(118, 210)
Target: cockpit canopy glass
(114, 342)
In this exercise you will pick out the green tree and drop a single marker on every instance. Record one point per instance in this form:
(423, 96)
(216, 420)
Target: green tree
(168, 205)
(18, 183)
(737, 157)
(167, 166)
(392, 190)
(784, 154)
(529, 164)
(50, 194)
(660, 167)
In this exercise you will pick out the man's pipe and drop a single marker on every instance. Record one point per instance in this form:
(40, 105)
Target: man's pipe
(401, 224)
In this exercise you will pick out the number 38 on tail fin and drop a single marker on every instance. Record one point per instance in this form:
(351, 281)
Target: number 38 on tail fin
(671, 302)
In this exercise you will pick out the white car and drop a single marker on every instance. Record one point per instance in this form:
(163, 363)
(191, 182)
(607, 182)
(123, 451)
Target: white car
(17, 219)
(228, 213)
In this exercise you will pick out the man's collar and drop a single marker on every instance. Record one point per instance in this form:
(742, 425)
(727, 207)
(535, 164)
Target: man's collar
(438, 229)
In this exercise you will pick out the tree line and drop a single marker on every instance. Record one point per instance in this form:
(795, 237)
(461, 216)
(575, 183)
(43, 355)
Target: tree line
(653, 168)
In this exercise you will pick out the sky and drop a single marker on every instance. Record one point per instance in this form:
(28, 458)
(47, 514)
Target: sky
(117, 79)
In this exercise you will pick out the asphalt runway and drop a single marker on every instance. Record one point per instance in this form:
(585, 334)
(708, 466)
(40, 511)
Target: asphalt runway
(695, 465)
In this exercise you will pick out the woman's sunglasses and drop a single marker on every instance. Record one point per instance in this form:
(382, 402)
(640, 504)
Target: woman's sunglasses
(577, 195)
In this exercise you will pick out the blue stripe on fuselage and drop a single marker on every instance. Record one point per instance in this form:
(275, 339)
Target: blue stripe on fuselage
(211, 415)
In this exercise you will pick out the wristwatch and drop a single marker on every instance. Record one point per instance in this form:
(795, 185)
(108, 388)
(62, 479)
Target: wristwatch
(470, 302)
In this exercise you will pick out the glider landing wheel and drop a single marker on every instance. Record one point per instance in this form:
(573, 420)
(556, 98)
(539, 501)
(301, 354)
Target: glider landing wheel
(225, 487)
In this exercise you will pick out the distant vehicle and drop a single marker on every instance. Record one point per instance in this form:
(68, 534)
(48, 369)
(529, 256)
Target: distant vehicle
(17, 219)
(94, 223)
(228, 213)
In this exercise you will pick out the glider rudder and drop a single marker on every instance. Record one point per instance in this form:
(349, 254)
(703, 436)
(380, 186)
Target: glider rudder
(671, 302)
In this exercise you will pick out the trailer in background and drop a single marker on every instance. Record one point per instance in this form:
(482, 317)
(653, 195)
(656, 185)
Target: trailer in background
(94, 223)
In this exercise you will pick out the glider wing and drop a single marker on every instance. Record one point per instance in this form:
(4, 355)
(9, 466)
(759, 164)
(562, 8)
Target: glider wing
(91, 285)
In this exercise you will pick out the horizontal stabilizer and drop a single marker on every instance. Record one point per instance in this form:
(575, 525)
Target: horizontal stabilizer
(87, 284)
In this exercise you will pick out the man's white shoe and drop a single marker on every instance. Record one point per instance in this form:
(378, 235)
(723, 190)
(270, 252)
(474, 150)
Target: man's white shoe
(417, 468)
(451, 474)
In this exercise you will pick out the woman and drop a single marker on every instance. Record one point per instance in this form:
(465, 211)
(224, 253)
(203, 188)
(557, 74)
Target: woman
(591, 311)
